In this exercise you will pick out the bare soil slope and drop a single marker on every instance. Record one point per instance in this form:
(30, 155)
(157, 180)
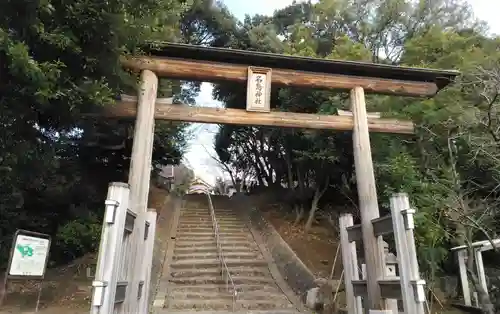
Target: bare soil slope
(316, 249)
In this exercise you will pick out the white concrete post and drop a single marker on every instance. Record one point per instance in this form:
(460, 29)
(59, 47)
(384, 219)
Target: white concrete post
(149, 242)
(480, 270)
(410, 284)
(110, 249)
(350, 261)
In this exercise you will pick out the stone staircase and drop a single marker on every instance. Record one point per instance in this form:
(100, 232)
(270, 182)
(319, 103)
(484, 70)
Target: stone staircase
(195, 283)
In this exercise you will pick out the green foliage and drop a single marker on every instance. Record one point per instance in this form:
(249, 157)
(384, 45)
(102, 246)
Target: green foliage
(347, 49)
(77, 237)
(59, 60)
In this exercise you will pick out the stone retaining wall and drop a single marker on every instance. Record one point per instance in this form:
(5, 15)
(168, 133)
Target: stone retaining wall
(163, 226)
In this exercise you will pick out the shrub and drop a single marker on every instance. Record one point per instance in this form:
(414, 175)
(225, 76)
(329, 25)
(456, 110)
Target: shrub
(77, 237)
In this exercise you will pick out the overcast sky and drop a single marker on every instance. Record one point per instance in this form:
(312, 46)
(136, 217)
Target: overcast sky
(200, 150)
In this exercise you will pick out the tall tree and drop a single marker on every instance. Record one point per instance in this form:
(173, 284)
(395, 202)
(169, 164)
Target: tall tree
(58, 61)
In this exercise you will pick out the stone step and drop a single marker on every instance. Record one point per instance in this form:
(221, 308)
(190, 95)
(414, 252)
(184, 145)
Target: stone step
(217, 279)
(208, 222)
(231, 262)
(210, 229)
(194, 305)
(228, 295)
(222, 238)
(209, 225)
(195, 217)
(211, 242)
(195, 254)
(225, 304)
(213, 248)
(203, 211)
(201, 219)
(221, 287)
(216, 271)
(275, 311)
(222, 232)
(206, 209)
(208, 214)
(222, 235)
(208, 218)
(217, 209)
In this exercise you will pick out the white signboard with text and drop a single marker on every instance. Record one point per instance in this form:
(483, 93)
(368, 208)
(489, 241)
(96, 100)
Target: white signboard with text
(259, 89)
(29, 255)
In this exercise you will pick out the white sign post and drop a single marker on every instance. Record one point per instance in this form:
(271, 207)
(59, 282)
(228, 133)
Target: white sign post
(29, 255)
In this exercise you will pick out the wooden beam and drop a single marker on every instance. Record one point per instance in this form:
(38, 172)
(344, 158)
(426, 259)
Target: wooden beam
(211, 71)
(128, 109)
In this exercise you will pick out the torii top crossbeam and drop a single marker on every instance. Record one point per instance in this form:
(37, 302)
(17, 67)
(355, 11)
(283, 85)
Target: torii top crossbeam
(214, 64)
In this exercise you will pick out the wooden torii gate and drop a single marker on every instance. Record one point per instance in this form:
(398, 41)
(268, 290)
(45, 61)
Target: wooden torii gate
(259, 71)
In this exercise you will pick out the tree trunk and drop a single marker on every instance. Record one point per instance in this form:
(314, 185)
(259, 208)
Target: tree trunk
(484, 299)
(301, 182)
(231, 175)
(289, 169)
(258, 173)
(314, 205)
(299, 211)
